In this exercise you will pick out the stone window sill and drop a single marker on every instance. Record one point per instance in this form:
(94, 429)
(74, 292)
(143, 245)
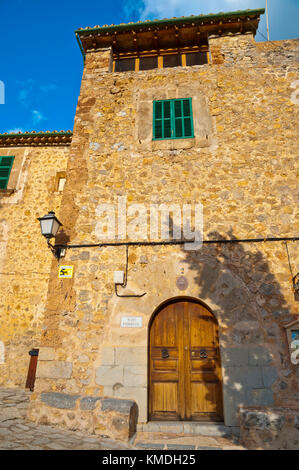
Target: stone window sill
(6, 192)
(175, 144)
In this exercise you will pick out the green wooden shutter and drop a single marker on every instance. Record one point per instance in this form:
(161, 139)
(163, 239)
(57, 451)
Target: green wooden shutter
(167, 128)
(158, 120)
(172, 119)
(5, 168)
(188, 118)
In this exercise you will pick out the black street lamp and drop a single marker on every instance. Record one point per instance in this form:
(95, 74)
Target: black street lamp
(49, 225)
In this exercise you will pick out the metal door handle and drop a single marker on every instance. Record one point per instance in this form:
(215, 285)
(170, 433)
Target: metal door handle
(165, 353)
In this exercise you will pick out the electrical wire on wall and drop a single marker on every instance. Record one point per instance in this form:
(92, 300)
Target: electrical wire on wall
(295, 279)
(126, 279)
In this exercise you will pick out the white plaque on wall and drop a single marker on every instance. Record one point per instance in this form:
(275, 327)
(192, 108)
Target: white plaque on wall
(131, 322)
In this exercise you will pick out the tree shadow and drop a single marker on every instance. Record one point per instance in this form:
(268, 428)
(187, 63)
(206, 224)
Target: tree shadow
(236, 281)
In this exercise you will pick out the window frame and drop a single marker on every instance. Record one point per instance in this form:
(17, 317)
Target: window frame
(172, 120)
(6, 178)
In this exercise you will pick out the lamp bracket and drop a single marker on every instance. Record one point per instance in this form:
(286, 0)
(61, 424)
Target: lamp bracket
(57, 251)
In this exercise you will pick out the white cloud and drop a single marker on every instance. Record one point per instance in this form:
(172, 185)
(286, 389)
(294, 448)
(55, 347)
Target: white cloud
(15, 131)
(37, 116)
(27, 86)
(149, 9)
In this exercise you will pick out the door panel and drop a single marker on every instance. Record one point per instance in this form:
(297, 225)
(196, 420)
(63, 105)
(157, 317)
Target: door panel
(165, 344)
(185, 373)
(205, 388)
(165, 397)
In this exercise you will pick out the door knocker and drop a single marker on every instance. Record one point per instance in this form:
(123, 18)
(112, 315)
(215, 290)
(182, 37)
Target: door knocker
(203, 354)
(165, 353)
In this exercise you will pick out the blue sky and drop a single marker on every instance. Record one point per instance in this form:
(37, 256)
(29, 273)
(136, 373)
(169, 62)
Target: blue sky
(41, 64)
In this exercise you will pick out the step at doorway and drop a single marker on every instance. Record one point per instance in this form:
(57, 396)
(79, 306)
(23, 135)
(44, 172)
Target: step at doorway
(186, 428)
(179, 435)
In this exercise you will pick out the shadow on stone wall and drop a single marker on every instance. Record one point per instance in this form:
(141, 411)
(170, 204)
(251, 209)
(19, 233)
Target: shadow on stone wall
(236, 282)
(62, 238)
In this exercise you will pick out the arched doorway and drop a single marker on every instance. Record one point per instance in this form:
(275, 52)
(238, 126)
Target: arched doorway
(185, 380)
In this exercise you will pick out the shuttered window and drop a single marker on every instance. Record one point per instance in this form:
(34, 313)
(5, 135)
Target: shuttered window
(5, 168)
(148, 63)
(172, 60)
(196, 58)
(124, 65)
(172, 119)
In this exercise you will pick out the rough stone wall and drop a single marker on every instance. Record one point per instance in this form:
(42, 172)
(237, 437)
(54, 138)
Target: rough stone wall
(25, 260)
(240, 166)
(113, 417)
(270, 429)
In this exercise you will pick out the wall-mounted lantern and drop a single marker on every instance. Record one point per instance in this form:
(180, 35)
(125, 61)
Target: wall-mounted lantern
(49, 225)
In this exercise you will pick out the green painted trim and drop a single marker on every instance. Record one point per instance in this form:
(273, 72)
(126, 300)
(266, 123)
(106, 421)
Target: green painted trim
(6, 166)
(81, 47)
(172, 120)
(173, 21)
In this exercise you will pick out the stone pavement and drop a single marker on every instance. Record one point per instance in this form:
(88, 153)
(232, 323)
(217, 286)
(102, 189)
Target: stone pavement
(170, 441)
(17, 433)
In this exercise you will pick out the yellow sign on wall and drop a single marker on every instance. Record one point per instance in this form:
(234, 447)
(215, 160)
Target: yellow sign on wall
(65, 272)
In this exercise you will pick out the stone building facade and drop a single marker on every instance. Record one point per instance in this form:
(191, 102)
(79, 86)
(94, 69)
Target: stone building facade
(239, 162)
(40, 161)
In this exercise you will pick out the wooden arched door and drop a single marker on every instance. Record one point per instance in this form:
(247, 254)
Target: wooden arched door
(184, 364)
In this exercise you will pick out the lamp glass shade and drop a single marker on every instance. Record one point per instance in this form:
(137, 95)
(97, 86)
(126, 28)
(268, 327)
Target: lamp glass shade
(55, 226)
(49, 225)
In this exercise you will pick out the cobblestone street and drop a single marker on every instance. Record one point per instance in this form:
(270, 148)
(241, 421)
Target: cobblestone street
(17, 433)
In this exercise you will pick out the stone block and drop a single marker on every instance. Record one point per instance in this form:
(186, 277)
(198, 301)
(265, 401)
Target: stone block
(269, 376)
(234, 394)
(260, 397)
(109, 375)
(238, 380)
(130, 355)
(254, 377)
(150, 445)
(89, 403)
(108, 356)
(234, 356)
(59, 400)
(116, 404)
(54, 370)
(207, 429)
(179, 447)
(235, 379)
(259, 356)
(84, 255)
(120, 416)
(139, 394)
(135, 375)
(46, 354)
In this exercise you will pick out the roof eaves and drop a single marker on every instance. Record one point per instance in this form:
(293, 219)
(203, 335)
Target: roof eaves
(35, 134)
(47, 138)
(165, 22)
